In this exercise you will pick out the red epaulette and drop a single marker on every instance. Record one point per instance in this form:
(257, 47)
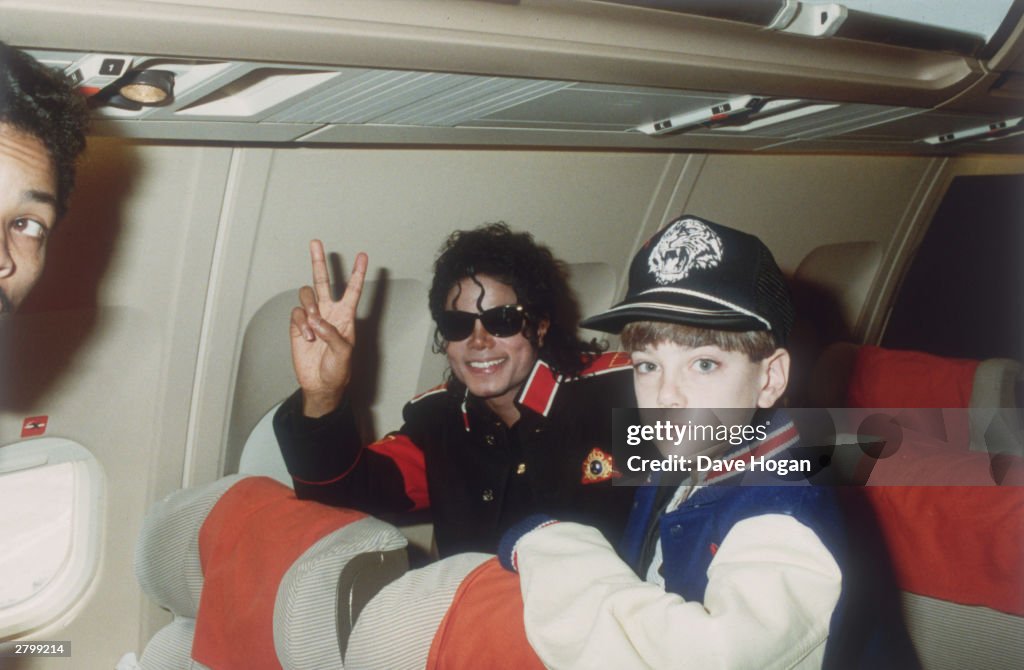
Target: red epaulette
(440, 388)
(613, 361)
(538, 393)
(539, 390)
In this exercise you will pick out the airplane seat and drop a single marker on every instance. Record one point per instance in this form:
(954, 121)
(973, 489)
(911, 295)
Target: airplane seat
(987, 388)
(830, 288)
(167, 567)
(397, 627)
(250, 572)
(171, 647)
(261, 454)
(995, 396)
(432, 617)
(955, 548)
(391, 308)
(831, 374)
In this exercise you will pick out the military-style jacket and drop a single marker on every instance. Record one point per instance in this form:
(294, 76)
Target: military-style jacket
(457, 458)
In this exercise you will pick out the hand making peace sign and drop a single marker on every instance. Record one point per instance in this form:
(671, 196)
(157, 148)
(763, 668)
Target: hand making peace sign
(323, 334)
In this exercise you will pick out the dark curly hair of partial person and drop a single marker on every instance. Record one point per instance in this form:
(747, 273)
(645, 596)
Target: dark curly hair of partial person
(539, 280)
(42, 102)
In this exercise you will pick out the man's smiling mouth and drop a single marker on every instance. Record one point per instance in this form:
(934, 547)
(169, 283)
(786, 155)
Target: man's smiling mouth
(486, 365)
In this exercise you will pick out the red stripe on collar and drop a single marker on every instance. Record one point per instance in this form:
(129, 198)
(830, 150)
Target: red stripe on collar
(782, 439)
(538, 393)
(429, 392)
(612, 361)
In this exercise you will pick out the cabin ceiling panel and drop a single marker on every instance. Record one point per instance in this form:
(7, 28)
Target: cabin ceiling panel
(570, 40)
(620, 108)
(562, 73)
(513, 135)
(239, 102)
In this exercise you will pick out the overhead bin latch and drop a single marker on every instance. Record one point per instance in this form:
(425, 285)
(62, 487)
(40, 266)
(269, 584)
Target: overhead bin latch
(736, 114)
(816, 20)
(990, 131)
(708, 117)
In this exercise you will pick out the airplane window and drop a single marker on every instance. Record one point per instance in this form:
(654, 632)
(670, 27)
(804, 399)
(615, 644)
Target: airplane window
(983, 18)
(942, 25)
(36, 542)
(50, 494)
(961, 296)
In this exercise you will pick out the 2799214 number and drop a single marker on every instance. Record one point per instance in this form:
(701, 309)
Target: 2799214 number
(41, 648)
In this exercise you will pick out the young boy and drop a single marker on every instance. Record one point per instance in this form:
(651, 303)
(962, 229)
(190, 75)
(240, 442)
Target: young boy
(733, 576)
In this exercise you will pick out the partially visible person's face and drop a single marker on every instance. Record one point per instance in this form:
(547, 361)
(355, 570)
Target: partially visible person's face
(668, 375)
(28, 212)
(492, 368)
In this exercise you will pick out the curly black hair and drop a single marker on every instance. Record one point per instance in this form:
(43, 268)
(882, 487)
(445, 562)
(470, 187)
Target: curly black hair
(539, 280)
(42, 102)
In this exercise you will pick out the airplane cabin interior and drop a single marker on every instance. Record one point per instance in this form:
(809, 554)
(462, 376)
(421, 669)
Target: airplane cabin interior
(879, 156)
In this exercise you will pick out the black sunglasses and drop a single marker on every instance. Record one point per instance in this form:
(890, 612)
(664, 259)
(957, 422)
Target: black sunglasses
(503, 321)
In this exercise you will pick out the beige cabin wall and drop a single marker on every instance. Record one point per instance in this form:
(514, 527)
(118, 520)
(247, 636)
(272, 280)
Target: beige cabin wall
(399, 204)
(796, 203)
(106, 348)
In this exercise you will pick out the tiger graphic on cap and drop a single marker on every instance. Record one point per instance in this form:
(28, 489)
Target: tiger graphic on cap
(687, 244)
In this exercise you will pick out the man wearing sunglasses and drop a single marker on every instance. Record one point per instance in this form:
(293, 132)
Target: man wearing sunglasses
(522, 425)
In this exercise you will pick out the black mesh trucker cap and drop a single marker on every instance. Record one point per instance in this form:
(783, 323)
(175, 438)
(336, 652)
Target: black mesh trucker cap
(699, 273)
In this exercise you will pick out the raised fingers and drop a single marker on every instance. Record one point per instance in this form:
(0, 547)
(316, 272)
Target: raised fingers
(309, 301)
(354, 288)
(300, 325)
(321, 277)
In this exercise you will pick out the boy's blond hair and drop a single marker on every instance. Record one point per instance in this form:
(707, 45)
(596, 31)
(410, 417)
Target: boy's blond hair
(756, 344)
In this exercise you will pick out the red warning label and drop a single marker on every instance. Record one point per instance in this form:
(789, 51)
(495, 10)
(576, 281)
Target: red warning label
(34, 425)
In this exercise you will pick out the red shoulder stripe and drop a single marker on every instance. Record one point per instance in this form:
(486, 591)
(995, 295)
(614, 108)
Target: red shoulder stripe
(429, 392)
(538, 393)
(611, 361)
(539, 390)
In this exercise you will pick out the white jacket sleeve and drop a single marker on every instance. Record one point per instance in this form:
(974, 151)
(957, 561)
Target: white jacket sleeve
(770, 595)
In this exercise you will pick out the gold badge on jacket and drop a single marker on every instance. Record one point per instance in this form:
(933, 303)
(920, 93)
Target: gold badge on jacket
(598, 467)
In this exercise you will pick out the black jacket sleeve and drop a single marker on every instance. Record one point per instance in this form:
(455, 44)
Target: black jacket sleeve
(329, 464)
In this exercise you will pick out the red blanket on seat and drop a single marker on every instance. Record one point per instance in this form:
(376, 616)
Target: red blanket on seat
(252, 536)
(964, 544)
(893, 378)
